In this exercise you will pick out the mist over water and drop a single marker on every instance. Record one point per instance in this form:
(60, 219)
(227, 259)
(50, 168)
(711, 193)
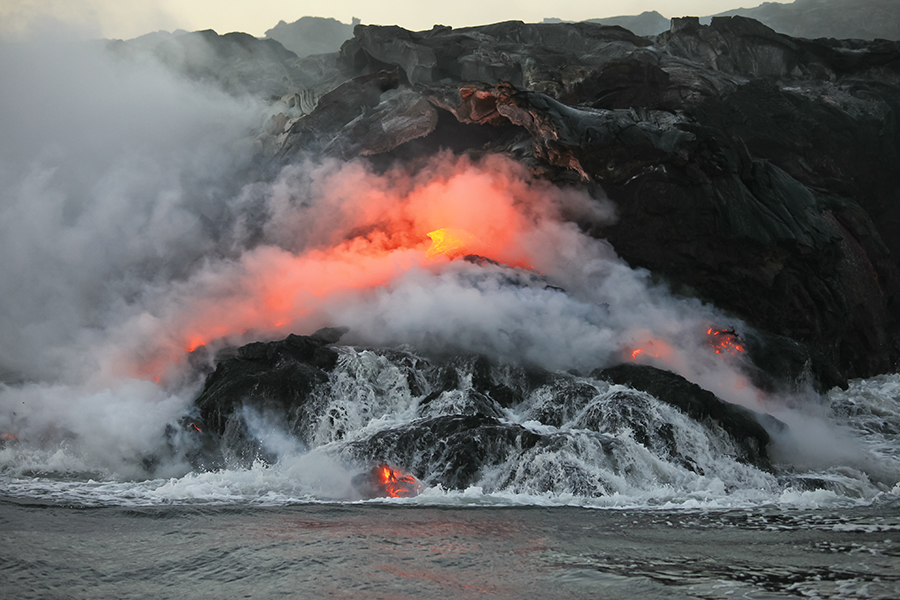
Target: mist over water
(135, 227)
(116, 179)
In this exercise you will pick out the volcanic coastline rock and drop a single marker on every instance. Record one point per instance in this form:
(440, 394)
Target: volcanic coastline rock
(741, 424)
(461, 429)
(271, 378)
(454, 443)
(450, 450)
(749, 169)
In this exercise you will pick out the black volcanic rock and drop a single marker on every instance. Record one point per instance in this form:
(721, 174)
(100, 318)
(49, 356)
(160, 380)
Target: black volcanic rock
(447, 450)
(272, 377)
(703, 406)
(461, 430)
(750, 169)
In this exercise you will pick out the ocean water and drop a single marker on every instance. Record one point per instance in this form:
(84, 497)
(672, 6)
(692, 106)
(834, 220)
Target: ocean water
(402, 550)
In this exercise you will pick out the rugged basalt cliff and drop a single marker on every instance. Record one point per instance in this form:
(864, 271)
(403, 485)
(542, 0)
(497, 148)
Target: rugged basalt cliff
(750, 169)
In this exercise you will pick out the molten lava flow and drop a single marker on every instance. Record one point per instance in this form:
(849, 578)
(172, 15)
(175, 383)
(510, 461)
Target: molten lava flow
(724, 341)
(382, 481)
(651, 348)
(397, 484)
(360, 232)
(449, 242)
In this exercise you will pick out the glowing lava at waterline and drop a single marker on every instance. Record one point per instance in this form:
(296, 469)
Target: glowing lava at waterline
(383, 481)
(724, 341)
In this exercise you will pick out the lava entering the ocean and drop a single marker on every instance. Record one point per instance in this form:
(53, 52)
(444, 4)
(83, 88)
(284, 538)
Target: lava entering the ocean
(383, 481)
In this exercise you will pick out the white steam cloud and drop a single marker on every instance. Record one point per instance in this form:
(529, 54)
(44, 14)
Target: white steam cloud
(114, 176)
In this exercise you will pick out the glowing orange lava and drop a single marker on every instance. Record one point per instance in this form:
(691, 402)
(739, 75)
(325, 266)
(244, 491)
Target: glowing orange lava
(363, 232)
(449, 242)
(724, 341)
(653, 348)
(397, 484)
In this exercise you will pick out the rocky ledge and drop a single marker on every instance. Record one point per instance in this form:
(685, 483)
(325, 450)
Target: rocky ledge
(460, 428)
(750, 169)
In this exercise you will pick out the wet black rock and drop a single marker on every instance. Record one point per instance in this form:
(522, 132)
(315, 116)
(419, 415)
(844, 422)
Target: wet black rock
(271, 377)
(741, 424)
(462, 431)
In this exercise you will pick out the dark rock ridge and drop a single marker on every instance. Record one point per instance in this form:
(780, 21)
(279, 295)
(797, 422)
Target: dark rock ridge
(742, 424)
(274, 378)
(861, 19)
(649, 23)
(750, 169)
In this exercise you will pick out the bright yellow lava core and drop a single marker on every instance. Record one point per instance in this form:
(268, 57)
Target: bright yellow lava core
(449, 242)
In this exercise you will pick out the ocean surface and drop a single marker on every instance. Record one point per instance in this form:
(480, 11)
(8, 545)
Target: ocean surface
(406, 550)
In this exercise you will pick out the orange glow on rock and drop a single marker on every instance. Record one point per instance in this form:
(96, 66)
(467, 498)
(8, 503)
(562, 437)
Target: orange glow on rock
(398, 484)
(383, 481)
(652, 348)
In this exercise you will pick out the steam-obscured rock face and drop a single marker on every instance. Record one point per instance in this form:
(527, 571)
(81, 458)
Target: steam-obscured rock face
(749, 169)
(728, 149)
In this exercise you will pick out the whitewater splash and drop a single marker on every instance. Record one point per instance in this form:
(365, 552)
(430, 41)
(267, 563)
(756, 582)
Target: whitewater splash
(456, 259)
(591, 444)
